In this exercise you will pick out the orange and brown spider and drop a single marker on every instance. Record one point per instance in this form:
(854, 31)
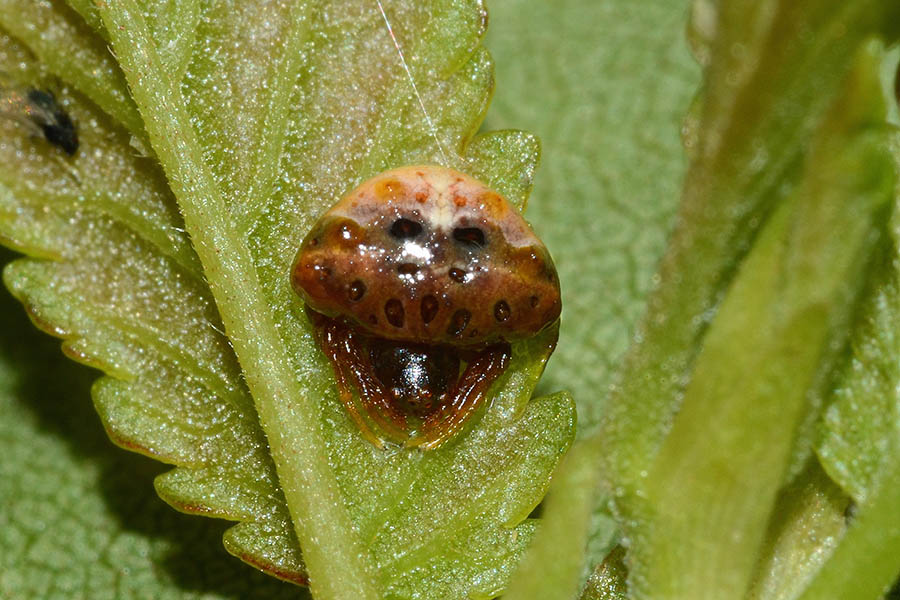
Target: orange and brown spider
(416, 283)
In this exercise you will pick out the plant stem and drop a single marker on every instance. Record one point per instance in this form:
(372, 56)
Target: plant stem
(337, 561)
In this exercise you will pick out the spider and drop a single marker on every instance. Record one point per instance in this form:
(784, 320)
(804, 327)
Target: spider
(416, 282)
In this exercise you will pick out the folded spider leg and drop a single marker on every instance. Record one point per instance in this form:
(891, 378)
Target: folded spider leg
(351, 366)
(464, 397)
(372, 393)
(329, 342)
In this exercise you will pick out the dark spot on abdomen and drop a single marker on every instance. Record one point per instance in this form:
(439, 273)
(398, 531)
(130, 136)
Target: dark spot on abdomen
(457, 275)
(356, 291)
(429, 309)
(501, 311)
(405, 229)
(469, 237)
(459, 321)
(393, 310)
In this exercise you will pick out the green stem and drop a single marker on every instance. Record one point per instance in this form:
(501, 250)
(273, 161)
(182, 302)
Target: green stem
(337, 562)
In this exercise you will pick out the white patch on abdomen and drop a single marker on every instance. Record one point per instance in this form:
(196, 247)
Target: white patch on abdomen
(441, 216)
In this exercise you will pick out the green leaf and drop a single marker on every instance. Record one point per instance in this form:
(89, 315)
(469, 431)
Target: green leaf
(791, 302)
(605, 85)
(86, 63)
(616, 102)
(860, 441)
(865, 563)
(251, 156)
(607, 582)
(752, 124)
(859, 428)
(124, 288)
(543, 573)
(78, 518)
(695, 495)
(808, 521)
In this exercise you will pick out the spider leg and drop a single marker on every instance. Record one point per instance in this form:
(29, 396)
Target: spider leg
(464, 397)
(343, 350)
(372, 393)
(330, 345)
